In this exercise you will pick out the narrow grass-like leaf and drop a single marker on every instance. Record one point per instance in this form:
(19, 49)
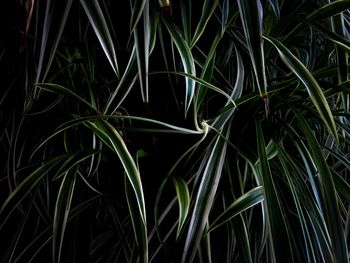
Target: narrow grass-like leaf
(240, 231)
(124, 86)
(251, 13)
(205, 197)
(329, 195)
(183, 197)
(186, 11)
(186, 58)
(244, 202)
(45, 236)
(208, 85)
(100, 240)
(303, 200)
(328, 10)
(73, 161)
(62, 209)
(65, 91)
(99, 24)
(140, 229)
(136, 13)
(339, 28)
(207, 71)
(315, 92)
(338, 40)
(276, 224)
(110, 136)
(275, 7)
(154, 21)
(24, 188)
(48, 47)
(207, 12)
(340, 183)
(142, 45)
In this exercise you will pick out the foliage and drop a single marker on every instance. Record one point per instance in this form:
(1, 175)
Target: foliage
(164, 131)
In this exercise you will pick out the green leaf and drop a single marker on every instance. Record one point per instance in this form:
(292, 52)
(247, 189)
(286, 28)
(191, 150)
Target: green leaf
(110, 136)
(329, 195)
(212, 171)
(139, 226)
(240, 231)
(99, 24)
(142, 45)
(100, 240)
(275, 7)
(328, 10)
(207, 71)
(137, 10)
(340, 41)
(339, 28)
(65, 91)
(183, 197)
(24, 188)
(48, 48)
(207, 12)
(325, 11)
(186, 58)
(186, 12)
(73, 161)
(244, 202)
(124, 86)
(315, 92)
(62, 210)
(276, 224)
(251, 13)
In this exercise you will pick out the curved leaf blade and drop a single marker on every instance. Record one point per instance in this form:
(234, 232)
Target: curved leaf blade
(244, 202)
(214, 163)
(136, 13)
(207, 12)
(142, 45)
(62, 210)
(329, 195)
(251, 13)
(183, 197)
(315, 92)
(275, 222)
(24, 188)
(110, 136)
(99, 24)
(186, 58)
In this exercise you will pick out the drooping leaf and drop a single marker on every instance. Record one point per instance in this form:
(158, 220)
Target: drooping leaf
(315, 92)
(328, 10)
(24, 188)
(329, 195)
(110, 136)
(186, 58)
(244, 202)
